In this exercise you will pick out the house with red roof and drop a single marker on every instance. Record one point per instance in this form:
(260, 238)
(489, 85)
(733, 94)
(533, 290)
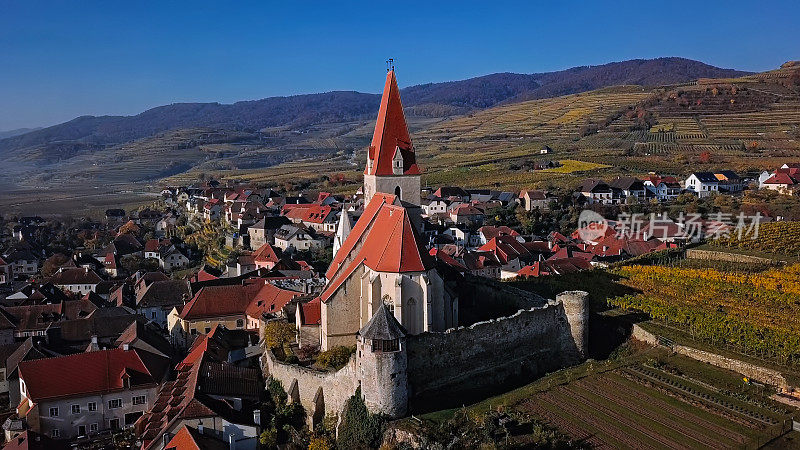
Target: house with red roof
(212, 305)
(208, 393)
(467, 214)
(83, 394)
(785, 180)
(79, 280)
(487, 232)
(265, 257)
(269, 300)
(318, 217)
(664, 188)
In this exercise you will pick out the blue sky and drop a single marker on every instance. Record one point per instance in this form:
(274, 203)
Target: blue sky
(62, 59)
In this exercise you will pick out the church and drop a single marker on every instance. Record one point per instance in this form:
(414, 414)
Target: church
(380, 260)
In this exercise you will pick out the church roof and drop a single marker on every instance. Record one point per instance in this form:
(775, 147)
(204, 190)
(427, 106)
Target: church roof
(383, 325)
(389, 243)
(391, 134)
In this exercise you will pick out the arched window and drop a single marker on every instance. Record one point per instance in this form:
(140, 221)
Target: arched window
(397, 191)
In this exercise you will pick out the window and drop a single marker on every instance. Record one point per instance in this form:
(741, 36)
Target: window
(55, 433)
(93, 428)
(92, 406)
(116, 403)
(113, 424)
(53, 412)
(208, 330)
(381, 345)
(139, 400)
(239, 323)
(76, 409)
(153, 315)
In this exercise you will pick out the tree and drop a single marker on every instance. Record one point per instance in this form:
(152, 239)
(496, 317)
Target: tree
(705, 157)
(278, 333)
(51, 264)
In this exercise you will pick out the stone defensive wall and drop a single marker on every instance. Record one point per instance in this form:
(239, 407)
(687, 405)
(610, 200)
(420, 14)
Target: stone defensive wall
(319, 391)
(528, 343)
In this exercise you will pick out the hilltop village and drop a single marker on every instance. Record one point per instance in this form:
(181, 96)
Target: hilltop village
(236, 316)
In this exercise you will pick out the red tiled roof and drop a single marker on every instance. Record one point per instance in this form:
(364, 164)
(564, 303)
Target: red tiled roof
(219, 301)
(391, 133)
(82, 374)
(311, 213)
(311, 312)
(506, 248)
(391, 244)
(265, 254)
(366, 219)
(76, 275)
(270, 298)
(447, 259)
(781, 178)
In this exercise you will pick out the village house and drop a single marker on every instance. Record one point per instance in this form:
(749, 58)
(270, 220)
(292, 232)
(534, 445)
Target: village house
(434, 205)
(317, 217)
(785, 180)
(265, 257)
(292, 238)
(535, 199)
(76, 279)
(468, 215)
(171, 258)
(702, 184)
(665, 189)
(598, 191)
(630, 187)
(93, 392)
(487, 232)
(209, 393)
(157, 299)
(307, 323)
(263, 231)
(729, 181)
(22, 261)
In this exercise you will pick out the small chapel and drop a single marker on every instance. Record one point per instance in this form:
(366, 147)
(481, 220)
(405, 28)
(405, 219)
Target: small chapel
(380, 261)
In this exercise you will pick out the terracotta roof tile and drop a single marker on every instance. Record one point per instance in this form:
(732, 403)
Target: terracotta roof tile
(391, 133)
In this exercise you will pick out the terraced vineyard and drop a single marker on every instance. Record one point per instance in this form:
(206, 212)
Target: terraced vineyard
(640, 406)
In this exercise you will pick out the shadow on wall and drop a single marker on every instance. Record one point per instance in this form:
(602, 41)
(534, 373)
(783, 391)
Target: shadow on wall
(465, 365)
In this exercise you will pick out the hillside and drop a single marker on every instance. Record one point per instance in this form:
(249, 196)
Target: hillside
(747, 124)
(299, 114)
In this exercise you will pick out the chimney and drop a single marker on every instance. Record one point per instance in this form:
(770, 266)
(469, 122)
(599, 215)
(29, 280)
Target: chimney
(125, 347)
(200, 428)
(232, 440)
(257, 417)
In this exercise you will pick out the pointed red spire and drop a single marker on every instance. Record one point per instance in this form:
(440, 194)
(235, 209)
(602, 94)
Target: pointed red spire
(391, 133)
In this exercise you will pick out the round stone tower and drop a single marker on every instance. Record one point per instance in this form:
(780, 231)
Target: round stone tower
(382, 364)
(576, 310)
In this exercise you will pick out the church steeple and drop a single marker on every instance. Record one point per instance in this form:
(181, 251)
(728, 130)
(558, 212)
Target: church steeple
(391, 160)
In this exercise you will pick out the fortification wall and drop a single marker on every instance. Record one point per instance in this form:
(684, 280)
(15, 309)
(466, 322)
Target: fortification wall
(318, 391)
(530, 342)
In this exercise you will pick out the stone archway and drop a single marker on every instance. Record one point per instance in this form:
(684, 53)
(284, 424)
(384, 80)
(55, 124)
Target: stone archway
(397, 192)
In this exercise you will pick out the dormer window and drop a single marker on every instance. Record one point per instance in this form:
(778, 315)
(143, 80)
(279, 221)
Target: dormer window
(397, 162)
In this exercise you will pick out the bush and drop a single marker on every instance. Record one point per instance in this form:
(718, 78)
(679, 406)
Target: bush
(336, 357)
(359, 429)
(276, 392)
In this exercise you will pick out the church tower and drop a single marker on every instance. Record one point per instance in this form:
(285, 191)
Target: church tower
(391, 160)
